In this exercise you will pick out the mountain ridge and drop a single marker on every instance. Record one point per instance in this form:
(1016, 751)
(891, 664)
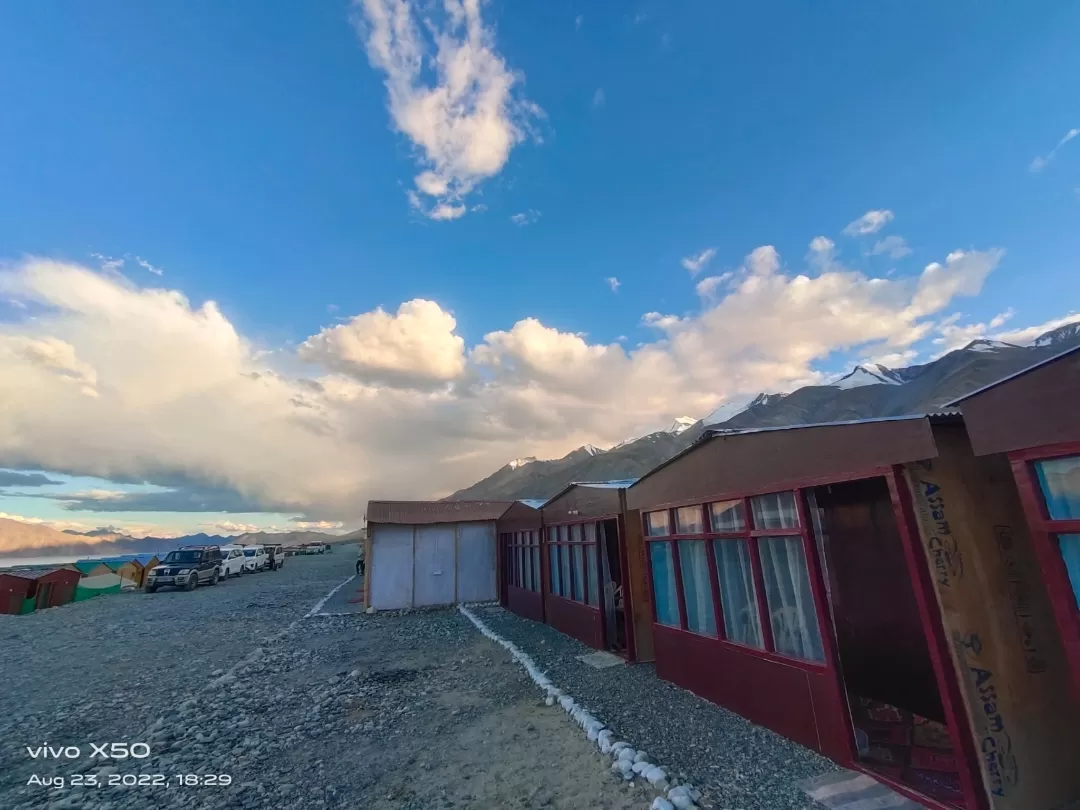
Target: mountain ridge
(877, 391)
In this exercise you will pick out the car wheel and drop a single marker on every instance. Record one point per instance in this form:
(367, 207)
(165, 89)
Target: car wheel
(214, 577)
(192, 583)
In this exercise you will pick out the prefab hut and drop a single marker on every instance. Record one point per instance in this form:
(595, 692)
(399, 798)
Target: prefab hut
(855, 587)
(27, 591)
(96, 579)
(422, 553)
(1032, 419)
(521, 582)
(129, 569)
(595, 587)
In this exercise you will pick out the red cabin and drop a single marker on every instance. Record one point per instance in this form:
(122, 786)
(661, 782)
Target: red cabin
(856, 587)
(26, 591)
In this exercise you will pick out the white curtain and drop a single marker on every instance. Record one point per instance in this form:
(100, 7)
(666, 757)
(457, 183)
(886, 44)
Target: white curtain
(791, 602)
(738, 597)
(697, 589)
(775, 511)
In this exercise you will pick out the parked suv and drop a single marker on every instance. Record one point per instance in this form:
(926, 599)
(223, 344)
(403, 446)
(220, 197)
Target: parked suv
(275, 553)
(232, 561)
(187, 568)
(255, 558)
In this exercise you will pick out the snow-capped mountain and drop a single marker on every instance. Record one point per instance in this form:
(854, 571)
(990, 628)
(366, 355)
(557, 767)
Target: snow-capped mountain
(521, 462)
(870, 390)
(681, 425)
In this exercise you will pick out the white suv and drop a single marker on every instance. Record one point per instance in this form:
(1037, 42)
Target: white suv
(255, 558)
(232, 561)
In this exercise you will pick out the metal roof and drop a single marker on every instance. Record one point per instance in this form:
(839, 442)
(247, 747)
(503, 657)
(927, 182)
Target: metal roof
(936, 417)
(533, 503)
(422, 512)
(1013, 376)
(620, 483)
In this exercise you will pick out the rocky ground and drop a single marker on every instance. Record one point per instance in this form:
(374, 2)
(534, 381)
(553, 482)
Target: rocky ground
(234, 684)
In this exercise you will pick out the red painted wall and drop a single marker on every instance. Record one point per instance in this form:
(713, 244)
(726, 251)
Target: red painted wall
(798, 703)
(576, 620)
(12, 592)
(525, 603)
(64, 582)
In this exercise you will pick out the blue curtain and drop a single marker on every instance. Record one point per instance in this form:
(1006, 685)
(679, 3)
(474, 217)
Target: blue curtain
(663, 571)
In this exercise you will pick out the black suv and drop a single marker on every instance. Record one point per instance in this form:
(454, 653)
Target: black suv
(187, 568)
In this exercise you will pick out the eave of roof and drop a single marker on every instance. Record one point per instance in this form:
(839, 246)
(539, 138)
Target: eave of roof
(1014, 375)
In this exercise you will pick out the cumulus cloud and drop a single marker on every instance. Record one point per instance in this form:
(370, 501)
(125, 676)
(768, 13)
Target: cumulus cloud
(1042, 161)
(416, 347)
(699, 261)
(953, 335)
(870, 222)
(895, 247)
(393, 404)
(450, 93)
(710, 286)
(614, 283)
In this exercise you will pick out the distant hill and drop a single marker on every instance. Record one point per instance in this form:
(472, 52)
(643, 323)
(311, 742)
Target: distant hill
(19, 539)
(868, 391)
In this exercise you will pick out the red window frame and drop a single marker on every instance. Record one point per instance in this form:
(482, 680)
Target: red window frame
(565, 545)
(515, 570)
(1044, 532)
(751, 536)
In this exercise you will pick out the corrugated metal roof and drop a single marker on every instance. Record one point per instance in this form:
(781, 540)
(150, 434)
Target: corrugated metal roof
(1019, 373)
(420, 512)
(533, 503)
(621, 483)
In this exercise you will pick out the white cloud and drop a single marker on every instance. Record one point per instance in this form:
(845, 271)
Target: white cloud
(1042, 161)
(450, 93)
(528, 217)
(709, 286)
(870, 222)
(145, 265)
(1028, 334)
(109, 264)
(52, 355)
(416, 347)
(614, 283)
(579, 20)
(393, 404)
(895, 247)
(699, 261)
(231, 527)
(317, 525)
(598, 98)
(822, 244)
(953, 335)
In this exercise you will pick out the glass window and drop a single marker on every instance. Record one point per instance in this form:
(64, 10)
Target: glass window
(526, 565)
(590, 573)
(729, 516)
(578, 594)
(1069, 544)
(564, 533)
(564, 564)
(536, 568)
(659, 523)
(556, 584)
(738, 596)
(663, 575)
(590, 532)
(688, 520)
(697, 588)
(791, 602)
(775, 511)
(575, 533)
(1060, 481)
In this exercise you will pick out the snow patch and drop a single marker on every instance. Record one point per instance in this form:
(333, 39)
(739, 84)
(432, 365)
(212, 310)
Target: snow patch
(591, 450)
(521, 462)
(867, 375)
(681, 424)
(983, 345)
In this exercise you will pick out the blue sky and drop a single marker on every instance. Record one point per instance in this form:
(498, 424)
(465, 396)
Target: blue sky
(250, 154)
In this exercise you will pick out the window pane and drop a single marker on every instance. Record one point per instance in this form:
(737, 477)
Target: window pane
(688, 520)
(590, 532)
(590, 573)
(791, 602)
(553, 534)
(729, 516)
(516, 554)
(775, 511)
(1060, 480)
(575, 533)
(564, 533)
(555, 574)
(658, 523)
(526, 565)
(738, 596)
(697, 590)
(579, 573)
(536, 568)
(1070, 551)
(663, 573)
(564, 565)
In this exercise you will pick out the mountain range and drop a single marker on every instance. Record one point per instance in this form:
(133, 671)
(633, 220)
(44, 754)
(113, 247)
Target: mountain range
(868, 391)
(21, 539)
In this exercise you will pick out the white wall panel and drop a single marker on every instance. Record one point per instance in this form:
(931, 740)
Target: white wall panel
(391, 567)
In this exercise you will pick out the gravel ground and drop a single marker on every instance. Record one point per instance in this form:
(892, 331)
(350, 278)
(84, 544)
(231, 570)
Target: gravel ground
(737, 765)
(411, 712)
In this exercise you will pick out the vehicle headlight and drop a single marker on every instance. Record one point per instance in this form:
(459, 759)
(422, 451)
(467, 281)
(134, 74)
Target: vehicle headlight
(183, 571)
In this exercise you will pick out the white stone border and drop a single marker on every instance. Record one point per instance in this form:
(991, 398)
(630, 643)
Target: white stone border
(628, 762)
(319, 605)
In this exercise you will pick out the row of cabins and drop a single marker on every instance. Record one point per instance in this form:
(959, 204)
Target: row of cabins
(900, 595)
(24, 591)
